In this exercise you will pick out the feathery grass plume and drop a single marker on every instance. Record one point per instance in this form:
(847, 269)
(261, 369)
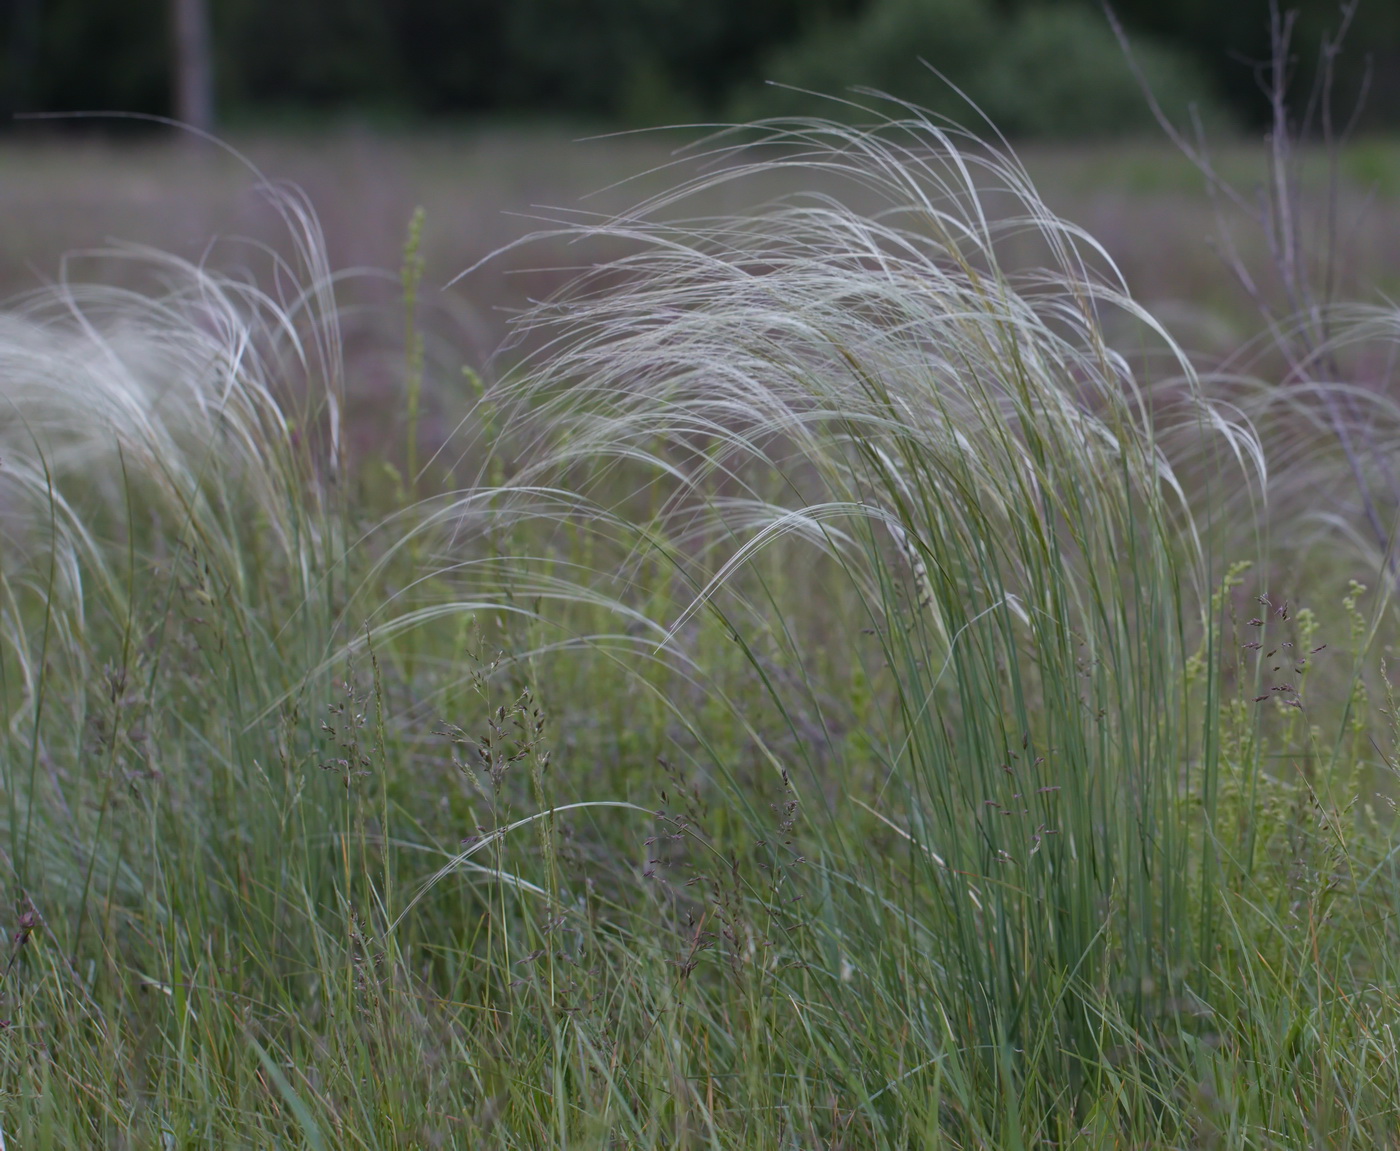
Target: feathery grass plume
(164, 454)
(1024, 551)
(185, 400)
(1344, 385)
(172, 573)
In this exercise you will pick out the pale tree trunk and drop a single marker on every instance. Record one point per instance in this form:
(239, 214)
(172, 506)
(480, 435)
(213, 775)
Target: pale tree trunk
(194, 64)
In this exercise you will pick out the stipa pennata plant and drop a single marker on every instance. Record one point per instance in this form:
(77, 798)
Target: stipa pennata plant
(179, 442)
(1037, 803)
(960, 441)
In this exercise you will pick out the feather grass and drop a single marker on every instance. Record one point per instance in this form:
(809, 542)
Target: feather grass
(837, 671)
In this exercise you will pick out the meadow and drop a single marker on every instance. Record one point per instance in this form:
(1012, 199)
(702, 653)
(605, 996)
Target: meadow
(826, 639)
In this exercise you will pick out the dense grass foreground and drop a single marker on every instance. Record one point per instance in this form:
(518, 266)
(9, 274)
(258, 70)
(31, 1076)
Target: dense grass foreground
(835, 715)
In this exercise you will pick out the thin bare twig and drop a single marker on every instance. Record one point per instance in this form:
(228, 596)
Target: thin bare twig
(1303, 336)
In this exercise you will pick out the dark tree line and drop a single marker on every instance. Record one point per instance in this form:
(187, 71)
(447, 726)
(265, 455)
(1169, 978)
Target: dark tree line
(579, 58)
(599, 60)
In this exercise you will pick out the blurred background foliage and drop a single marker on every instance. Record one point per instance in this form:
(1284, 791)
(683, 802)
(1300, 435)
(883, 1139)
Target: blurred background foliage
(1036, 67)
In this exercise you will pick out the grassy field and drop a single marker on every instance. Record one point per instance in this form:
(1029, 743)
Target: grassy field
(892, 652)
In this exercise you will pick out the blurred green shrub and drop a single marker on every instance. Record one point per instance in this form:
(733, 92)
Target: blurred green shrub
(1061, 72)
(1053, 70)
(881, 48)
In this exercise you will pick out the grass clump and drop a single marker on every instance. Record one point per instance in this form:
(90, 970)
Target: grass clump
(829, 719)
